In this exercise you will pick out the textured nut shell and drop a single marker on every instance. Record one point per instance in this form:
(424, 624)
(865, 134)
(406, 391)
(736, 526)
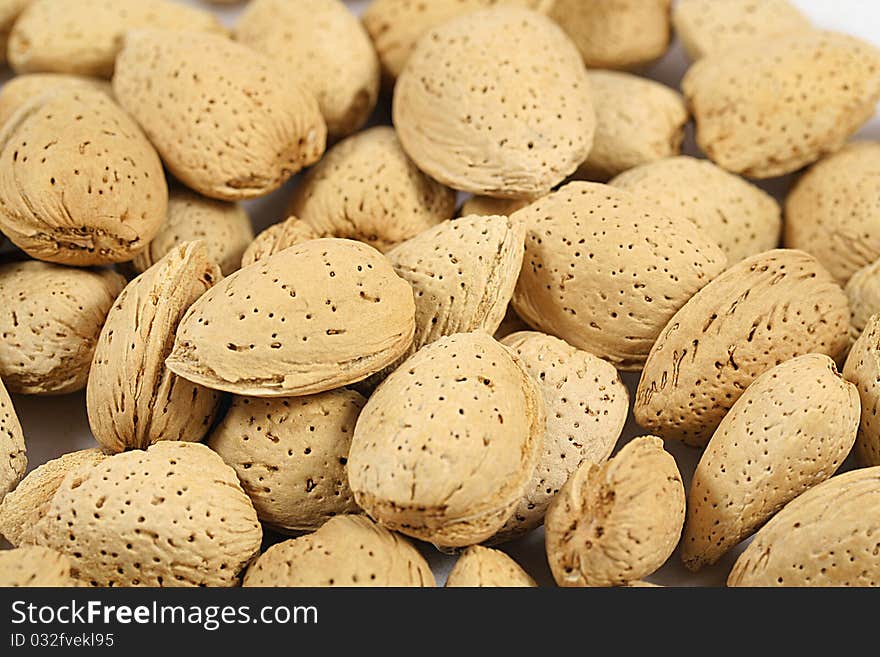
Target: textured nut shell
(367, 189)
(291, 454)
(616, 522)
(170, 81)
(486, 206)
(479, 566)
(85, 36)
(346, 551)
(17, 92)
(34, 566)
(13, 455)
(825, 537)
(224, 228)
(316, 316)
(446, 446)
(743, 219)
(462, 273)
(290, 232)
(790, 430)
(637, 121)
(771, 106)
(133, 400)
(605, 271)
(615, 33)
(9, 12)
(709, 26)
(22, 509)
(587, 405)
(173, 515)
(79, 182)
(483, 117)
(328, 50)
(760, 312)
(863, 368)
(50, 319)
(833, 211)
(863, 292)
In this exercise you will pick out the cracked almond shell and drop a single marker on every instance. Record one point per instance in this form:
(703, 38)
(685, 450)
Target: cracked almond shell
(760, 312)
(367, 189)
(316, 316)
(20, 90)
(825, 537)
(740, 217)
(173, 515)
(481, 116)
(291, 454)
(35, 566)
(346, 551)
(605, 271)
(13, 455)
(484, 567)
(133, 400)
(50, 319)
(171, 81)
(863, 369)
(791, 429)
(774, 105)
(283, 235)
(863, 292)
(446, 446)
(619, 521)
(79, 182)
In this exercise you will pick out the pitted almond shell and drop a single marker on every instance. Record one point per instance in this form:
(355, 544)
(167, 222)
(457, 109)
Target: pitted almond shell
(35, 566)
(863, 292)
(863, 369)
(290, 232)
(17, 92)
(479, 566)
(13, 455)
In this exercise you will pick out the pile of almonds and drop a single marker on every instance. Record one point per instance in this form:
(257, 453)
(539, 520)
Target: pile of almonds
(377, 368)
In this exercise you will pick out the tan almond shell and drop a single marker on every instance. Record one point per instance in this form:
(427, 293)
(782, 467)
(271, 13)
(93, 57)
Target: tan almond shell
(79, 182)
(50, 319)
(314, 317)
(367, 189)
(484, 567)
(17, 92)
(35, 566)
(825, 537)
(833, 211)
(462, 273)
(290, 232)
(742, 218)
(84, 37)
(791, 429)
(22, 508)
(483, 117)
(346, 551)
(224, 228)
(486, 206)
(619, 521)
(190, 92)
(173, 515)
(446, 446)
(587, 406)
(13, 455)
(760, 312)
(709, 26)
(291, 454)
(326, 47)
(863, 292)
(133, 400)
(863, 369)
(9, 13)
(605, 271)
(772, 106)
(637, 121)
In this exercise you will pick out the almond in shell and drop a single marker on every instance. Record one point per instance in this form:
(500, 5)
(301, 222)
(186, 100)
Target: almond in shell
(275, 238)
(484, 567)
(13, 455)
(35, 566)
(863, 369)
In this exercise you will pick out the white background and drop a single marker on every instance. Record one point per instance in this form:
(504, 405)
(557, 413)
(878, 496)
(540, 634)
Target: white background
(57, 425)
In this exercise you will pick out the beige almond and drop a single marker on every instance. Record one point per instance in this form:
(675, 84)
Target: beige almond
(346, 551)
(314, 317)
(290, 232)
(191, 91)
(863, 369)
(13, 455)
(133, 400)
(605, 270)
(367, 189)
(790, 430)
(22, 89)
(484, 567)
(80, 184)
(483, 117)
(863, 292)
(50, 319)
(774, 105)
(762, 311)
(10, 10)
(446, 446)
(35, 566)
